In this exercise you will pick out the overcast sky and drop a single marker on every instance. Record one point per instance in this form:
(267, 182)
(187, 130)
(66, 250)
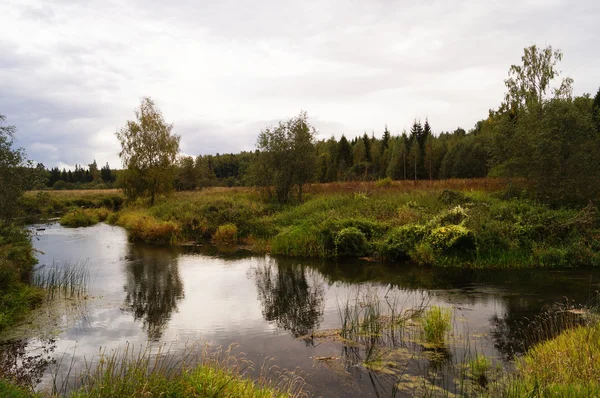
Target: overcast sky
(72, 72)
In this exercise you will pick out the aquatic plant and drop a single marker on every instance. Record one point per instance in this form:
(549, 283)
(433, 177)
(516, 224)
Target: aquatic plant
(63, 280)
(436, 322)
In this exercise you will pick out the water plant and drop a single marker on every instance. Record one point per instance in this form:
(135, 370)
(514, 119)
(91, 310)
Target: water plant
(63, 280)
(436, 322)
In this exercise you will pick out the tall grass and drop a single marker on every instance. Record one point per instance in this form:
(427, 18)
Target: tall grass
(436, 323)
(79, 217)
(200, 371)
(63, 280)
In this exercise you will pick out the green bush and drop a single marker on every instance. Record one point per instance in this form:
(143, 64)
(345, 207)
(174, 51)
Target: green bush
(227, 233)
(402, 240)
(454, 216)
(453, 240)
(450, 197)
(84, 217)
(351, 242)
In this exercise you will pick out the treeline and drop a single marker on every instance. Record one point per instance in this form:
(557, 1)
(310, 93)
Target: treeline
(540, 133)
(80, 178)
(419, 154)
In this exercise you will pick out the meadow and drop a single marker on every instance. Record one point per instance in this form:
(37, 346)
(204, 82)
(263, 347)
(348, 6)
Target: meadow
(477, 223)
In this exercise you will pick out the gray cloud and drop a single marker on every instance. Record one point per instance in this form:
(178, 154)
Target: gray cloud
(71, 73)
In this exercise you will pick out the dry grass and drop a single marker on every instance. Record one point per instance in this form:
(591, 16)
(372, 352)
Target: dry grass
(472, 184)
(78, 192)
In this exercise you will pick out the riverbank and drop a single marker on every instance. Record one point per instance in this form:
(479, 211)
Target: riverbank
(17, 296)
(467, 223)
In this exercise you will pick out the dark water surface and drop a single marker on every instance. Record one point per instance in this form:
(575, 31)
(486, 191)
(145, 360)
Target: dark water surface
(142, 294)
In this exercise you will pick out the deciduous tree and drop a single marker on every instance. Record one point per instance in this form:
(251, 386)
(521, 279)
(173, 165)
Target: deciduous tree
(148, 151)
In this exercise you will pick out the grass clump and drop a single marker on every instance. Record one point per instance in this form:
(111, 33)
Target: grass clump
(222, 373)
(568, 362)
(436, 322)
(63, 280)
(351, 242)
(10, 390)
(143, 227)
(79, 217)
(227, 233)
(479, 368)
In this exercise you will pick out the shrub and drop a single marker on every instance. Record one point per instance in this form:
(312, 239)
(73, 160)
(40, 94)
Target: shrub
(436, 322)
(454, 216)
(227, 233)
(423, 254)
(450, 197)
(84, 217)
(402, 240)
(350, 242)
(300, 241)
(384, 183)
(148, 229)
(453, 240)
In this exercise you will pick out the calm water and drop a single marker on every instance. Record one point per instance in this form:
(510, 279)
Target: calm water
(142, 294)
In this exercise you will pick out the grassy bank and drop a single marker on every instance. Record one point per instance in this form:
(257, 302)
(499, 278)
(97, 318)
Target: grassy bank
(39, 205)
(17, 296)
(484, 224)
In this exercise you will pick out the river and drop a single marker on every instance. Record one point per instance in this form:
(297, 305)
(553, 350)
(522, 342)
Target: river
(272, 307)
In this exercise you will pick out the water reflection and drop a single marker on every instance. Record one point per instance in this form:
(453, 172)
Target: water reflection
(153, 286)
(288, 297)
(25, 361)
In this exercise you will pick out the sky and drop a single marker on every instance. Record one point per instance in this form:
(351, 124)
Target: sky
(72, 72)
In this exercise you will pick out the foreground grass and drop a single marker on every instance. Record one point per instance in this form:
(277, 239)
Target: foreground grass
(134, 372)
(568, 365)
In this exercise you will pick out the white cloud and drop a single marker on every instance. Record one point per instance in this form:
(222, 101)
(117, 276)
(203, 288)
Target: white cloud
(72, 73)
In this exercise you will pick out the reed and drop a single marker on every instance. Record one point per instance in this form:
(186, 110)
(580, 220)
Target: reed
(436, 323)
(67, 280)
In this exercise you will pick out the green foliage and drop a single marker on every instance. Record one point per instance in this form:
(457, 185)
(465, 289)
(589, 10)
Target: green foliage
(401, 241)
(479, 368)
(132, 373)
(16, 264)
(436, 322)
(79, 217)
(227, 233)
(148, 152)
(286, 158)
(145, 228)
(350, 242)
(9, 390)
(570, 362)
(17, 174)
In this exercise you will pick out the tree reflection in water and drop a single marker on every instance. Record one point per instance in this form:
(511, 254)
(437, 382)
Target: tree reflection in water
(25, 361)
(153, 286)
(288, 297)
